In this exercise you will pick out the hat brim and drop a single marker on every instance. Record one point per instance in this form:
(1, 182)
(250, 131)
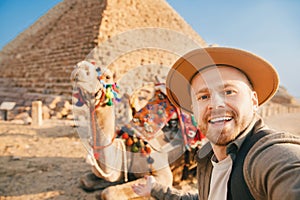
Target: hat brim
(262, 75)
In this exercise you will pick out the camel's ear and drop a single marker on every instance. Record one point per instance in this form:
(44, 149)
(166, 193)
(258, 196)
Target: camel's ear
(115, 75)
(159, 80)
(141, 96)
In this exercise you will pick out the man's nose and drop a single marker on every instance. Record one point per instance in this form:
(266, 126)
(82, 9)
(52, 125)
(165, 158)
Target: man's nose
(217, 101)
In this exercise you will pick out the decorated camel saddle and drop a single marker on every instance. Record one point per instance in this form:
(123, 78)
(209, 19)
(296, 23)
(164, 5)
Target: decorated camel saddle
(158, 124)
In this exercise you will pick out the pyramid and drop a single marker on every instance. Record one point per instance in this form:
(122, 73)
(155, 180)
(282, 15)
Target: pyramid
(37, 64)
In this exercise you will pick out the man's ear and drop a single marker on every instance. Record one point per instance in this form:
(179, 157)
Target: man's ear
(254, 100)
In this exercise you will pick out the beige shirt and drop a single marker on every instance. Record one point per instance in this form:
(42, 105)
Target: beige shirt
(219, 178)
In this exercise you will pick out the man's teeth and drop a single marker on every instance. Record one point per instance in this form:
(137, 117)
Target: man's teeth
(220, 119)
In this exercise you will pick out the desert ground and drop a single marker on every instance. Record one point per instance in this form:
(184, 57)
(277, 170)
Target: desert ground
(46, 162)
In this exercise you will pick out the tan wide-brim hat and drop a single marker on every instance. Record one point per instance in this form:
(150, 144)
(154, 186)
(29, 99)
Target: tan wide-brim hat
(262, 75)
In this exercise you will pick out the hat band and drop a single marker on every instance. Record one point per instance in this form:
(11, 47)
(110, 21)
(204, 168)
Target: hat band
(218, 65)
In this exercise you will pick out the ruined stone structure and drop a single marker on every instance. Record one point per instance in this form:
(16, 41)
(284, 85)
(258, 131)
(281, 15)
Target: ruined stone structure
(281, 103)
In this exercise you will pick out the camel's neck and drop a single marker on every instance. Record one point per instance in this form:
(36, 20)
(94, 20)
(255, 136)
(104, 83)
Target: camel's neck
(110, 157)
(105, 120)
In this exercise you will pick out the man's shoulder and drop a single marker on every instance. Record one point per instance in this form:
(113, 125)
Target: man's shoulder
(273, 145)
(273, 137)
(275, 154)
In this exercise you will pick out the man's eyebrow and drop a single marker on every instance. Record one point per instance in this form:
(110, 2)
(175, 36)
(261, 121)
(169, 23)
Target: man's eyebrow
(228, 85)
(203, 90)
(222, 86)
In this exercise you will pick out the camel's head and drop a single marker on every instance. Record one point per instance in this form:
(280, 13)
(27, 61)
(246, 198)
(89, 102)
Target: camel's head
(91, 81)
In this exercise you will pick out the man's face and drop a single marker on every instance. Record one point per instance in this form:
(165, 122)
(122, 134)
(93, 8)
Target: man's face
(223, 103)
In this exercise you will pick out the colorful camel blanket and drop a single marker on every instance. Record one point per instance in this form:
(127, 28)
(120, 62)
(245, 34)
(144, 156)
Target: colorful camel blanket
(158, 123)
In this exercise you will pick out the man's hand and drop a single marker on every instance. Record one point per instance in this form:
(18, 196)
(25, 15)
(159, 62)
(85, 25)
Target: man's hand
(144, 189)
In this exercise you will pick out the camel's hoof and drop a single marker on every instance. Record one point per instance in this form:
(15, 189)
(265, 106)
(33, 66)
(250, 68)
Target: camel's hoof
(90, 182)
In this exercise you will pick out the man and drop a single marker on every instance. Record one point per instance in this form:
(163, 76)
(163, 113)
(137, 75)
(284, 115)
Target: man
(243, 159)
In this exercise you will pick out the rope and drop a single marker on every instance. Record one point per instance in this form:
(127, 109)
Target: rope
(125, 160)
(104, 174)
(182, 127)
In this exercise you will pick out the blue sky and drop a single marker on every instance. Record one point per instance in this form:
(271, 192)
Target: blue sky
(270, 28)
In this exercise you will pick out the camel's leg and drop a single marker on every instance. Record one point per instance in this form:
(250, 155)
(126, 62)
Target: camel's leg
(124, 191)
(164, 176)
(121, 192)
(110, 166)
(90, 182)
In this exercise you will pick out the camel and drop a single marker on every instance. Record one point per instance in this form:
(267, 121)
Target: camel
(151, 143)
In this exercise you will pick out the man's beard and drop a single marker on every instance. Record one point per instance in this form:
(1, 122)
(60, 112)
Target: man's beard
(223, 135)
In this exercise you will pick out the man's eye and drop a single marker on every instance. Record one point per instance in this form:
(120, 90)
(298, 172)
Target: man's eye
(203, 97)
(229, 92)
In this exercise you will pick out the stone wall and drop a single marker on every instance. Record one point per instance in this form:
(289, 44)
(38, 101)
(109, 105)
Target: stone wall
(272, 108)
(281, 103)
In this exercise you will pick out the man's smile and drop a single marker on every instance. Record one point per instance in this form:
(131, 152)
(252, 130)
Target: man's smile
(220, 119)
